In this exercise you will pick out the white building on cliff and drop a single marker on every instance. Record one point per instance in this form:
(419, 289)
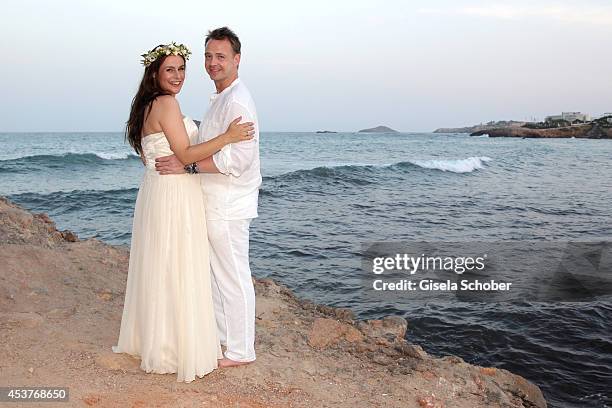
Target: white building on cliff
(569, 116)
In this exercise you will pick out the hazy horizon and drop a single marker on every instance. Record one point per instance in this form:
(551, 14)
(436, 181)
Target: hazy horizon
(340, 66)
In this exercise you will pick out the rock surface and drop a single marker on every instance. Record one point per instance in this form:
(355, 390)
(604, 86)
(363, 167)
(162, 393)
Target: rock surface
(586, 131)
(61, 301)
(476, 128)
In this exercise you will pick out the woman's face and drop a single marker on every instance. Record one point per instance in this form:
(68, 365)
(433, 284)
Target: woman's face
(171, 74)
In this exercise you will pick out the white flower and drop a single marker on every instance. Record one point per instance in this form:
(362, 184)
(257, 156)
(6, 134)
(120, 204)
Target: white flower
(169, 49)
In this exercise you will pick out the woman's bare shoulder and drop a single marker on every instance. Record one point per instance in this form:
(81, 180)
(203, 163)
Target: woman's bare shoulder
(163, 105)
(159, 108)
(166, 102)
(166, 99)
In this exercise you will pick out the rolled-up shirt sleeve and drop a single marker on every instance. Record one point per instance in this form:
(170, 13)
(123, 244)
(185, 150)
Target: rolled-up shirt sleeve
(235, 158)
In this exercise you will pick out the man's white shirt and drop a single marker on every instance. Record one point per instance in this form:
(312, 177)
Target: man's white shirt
(233, 194)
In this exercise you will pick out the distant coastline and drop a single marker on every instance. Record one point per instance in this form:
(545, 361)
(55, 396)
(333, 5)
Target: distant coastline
(586, 131)
(486, 126)
(600, 128)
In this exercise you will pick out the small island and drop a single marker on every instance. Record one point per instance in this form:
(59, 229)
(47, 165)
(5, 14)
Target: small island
(378, 129)
(325, 131)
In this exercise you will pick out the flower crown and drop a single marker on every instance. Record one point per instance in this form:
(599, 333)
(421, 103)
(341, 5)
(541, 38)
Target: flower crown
(169, 49)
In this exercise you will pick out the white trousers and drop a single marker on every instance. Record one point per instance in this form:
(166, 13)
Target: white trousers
(233, 291)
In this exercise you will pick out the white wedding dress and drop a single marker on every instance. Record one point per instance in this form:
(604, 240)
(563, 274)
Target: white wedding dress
(168, 317)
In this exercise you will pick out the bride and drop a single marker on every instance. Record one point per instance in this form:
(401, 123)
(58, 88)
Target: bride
(168, 318)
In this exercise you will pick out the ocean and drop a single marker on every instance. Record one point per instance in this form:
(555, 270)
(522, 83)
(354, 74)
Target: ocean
(325, 196)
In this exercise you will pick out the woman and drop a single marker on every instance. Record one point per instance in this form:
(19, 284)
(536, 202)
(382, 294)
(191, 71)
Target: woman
(168, 317)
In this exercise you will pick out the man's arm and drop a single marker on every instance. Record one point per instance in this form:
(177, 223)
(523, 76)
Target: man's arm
(207, 166)
(172, 165)
(235, 158)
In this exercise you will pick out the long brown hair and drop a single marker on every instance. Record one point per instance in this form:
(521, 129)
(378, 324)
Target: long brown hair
(147, 92)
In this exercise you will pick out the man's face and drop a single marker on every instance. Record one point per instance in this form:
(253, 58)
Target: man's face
(220, 61)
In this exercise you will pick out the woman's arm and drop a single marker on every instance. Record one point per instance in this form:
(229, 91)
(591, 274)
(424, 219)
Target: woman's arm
(236, 159)
(171, 122)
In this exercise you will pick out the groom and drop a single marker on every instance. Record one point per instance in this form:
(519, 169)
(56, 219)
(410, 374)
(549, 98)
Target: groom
(230, 183)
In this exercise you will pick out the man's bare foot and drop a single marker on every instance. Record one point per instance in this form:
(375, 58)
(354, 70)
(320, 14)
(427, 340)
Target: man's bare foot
(226, 362)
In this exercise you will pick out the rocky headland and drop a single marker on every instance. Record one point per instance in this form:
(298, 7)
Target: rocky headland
(477, 128)
(591, 130)
(61, 300)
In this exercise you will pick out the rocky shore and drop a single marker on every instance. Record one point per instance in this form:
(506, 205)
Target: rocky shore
(61, 300)
(477, 128)
(586, 131)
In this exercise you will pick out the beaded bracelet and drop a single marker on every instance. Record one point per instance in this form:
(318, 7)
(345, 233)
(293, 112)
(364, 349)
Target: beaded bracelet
(192, 168)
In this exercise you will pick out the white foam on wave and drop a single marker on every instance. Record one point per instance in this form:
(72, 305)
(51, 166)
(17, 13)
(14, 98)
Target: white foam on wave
(453, 165)
(101, 155)
(115, 155)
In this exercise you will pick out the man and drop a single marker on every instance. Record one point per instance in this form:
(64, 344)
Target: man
(230, 183)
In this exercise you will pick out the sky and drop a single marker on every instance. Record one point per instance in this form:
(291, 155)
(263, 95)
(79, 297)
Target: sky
(313, 65)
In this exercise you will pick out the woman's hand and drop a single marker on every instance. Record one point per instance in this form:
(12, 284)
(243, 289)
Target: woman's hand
(239, 132)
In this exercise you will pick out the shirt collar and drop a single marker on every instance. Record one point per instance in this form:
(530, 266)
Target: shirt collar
(233, 84)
